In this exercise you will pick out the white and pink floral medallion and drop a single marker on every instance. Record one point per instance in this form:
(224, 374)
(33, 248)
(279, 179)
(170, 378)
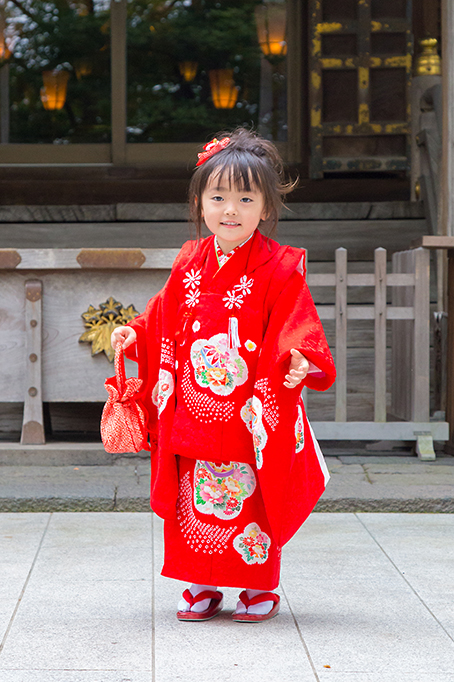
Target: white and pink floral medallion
(216, 366)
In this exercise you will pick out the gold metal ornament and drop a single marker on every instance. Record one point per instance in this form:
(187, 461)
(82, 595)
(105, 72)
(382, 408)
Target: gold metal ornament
(428, 63)
(102, 321)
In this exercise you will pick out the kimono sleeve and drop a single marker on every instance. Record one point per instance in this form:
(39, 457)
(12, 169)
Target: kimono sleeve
(294, 323)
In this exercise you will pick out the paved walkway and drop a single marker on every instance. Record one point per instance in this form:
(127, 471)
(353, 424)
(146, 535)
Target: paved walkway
(358, 483)
(365, 598)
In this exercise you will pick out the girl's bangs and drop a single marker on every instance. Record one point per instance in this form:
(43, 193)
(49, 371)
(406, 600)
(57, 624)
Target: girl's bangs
(241, 173)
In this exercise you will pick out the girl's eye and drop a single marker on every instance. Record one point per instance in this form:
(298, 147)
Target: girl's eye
(246, 200)
(217, 198)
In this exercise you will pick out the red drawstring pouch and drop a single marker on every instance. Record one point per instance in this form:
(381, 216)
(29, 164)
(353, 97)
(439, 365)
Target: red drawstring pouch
(124, 419)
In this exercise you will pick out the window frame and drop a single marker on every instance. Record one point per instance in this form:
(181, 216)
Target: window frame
(171, 155)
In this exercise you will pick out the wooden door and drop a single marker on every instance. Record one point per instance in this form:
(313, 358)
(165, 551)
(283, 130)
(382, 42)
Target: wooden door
(360, 64)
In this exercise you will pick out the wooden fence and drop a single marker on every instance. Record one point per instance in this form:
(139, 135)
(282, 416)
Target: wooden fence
(45, 291)
(408, 418)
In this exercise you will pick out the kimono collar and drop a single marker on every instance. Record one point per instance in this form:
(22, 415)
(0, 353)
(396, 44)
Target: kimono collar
(224, 257)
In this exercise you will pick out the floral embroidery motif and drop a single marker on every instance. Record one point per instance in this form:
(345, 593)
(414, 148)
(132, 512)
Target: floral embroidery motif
(244, 286)
(165, 389)
(250, 345)
(192, 298)
(220, 489)
(216, 366)
(192, 279)
(299, 430)
(196, 326)
(208, 538)
(233, 299)
(252, 413)
(253, 545)
(204, 408)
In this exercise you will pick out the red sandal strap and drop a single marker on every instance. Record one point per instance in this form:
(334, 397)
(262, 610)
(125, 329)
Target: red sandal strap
(258, 599)
(187, 596)
(206, 594)
(244, 598)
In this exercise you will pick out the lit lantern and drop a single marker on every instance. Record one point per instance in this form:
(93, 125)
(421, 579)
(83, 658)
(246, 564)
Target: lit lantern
(223, 89)
(4, 51)
(271, 20)
(188, 70)
(53, 94)
(82, 68)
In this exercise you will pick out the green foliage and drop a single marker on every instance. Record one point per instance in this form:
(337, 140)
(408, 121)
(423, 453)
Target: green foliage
(162, 107)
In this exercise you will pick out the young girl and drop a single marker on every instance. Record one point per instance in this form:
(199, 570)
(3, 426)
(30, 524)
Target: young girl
(224, 351)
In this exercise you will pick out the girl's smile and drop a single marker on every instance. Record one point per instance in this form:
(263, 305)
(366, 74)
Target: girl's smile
(230, 214)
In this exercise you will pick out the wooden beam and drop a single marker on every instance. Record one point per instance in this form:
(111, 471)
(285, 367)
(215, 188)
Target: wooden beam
(379, 431)
(429, 241)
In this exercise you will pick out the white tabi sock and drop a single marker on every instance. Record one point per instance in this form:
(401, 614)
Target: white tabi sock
(201, 605)
(256, 609)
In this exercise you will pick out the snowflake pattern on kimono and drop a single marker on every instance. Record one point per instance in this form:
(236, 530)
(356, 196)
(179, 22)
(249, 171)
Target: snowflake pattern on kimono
(216, 366)
(253, 544)
(220, 489)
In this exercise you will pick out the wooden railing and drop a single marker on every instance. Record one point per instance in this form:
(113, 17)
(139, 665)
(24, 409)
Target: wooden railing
(45, 291)
(409, 313)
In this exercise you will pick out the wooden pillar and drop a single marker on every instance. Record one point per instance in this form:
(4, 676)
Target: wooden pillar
(4, 104)
(341, 335)
(118, 79)
(380, 335)
(447, 194)
(33, 424)
(450, 354)
(421, 353)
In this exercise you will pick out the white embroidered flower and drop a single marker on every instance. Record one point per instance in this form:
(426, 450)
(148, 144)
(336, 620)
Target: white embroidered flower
(233, 299)
(244, 286)
(192, 278)
(192, 298)
(196, 326)
(250, 345)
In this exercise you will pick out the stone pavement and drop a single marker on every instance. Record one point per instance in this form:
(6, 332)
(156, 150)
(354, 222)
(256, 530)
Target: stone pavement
(365, 482)
(366, 597)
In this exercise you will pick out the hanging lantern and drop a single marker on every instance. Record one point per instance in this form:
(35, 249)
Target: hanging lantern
(4, 51)
(82, 68)
(223, 89)
(188, 70)
(271, 20)
(53, 93)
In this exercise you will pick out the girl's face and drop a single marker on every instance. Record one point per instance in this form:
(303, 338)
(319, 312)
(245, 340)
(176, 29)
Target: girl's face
(230, 214)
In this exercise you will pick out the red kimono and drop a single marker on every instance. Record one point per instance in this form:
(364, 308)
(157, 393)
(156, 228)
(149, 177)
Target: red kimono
(235, 467)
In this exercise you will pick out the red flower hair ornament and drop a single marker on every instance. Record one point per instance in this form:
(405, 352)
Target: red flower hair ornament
(212, 148)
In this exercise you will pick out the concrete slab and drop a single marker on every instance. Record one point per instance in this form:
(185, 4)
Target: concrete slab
(385, 627)
(369, 595)
(90, 585)
(422, 549)
(236, 648)
(20, 536)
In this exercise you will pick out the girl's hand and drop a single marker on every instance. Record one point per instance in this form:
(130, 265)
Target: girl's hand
(299, 367)
(124, 335)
